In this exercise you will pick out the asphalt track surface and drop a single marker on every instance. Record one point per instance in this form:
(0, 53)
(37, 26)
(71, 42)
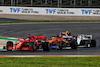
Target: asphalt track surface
(52, 29)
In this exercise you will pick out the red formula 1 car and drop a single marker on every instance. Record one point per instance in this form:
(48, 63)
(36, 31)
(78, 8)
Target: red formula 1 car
(30, 43)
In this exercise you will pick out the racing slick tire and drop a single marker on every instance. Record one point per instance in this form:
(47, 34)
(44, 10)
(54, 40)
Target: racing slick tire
(59, 44)
(73, 44)
(46, 46)
(32, 45)
(93, 43)
(9, 44)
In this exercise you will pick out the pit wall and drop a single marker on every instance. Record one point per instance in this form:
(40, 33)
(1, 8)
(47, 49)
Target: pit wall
(50, 11)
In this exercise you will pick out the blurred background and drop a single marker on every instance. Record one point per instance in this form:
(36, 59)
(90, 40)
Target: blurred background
(52, 3)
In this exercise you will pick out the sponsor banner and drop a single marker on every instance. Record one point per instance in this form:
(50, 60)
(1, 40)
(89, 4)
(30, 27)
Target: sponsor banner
(24, 10)
(50, 11)
(1, 10)
(19, 10)
(60, 11)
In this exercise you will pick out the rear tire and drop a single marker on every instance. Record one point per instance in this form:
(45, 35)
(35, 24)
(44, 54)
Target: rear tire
(73, 44)
(93, 43)
(9, 44)
(46, 46)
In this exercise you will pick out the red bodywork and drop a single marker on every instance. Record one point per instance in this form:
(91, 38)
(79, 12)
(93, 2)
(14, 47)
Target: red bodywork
(9, 48)
(26, 43)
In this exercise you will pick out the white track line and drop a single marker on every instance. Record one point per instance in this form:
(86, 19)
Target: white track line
(49, 55)
(45, 23)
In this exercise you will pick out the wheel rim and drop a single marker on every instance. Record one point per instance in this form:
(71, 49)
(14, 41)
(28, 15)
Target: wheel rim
(34, 46)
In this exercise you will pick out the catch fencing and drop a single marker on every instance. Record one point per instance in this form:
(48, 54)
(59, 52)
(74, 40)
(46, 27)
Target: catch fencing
(51, 3)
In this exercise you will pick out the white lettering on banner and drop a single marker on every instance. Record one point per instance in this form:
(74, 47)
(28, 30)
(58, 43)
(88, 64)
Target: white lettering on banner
(50, 11)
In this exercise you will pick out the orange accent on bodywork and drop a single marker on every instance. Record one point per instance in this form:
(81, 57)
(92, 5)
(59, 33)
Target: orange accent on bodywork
(57, 39)
(68, 38)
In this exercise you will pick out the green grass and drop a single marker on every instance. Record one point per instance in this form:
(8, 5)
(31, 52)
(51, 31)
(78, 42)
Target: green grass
(53, 21)
(50, 62)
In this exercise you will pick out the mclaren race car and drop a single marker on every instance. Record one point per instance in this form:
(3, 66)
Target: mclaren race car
(63, 41)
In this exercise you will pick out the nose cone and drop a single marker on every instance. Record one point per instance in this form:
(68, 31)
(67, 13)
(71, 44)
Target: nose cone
(19, 45)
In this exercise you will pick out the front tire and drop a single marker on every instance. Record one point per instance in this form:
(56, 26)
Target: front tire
(32, 45)
(73, 44)
(59, 44)
(93, 43)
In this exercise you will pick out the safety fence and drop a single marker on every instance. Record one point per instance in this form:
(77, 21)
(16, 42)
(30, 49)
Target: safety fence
(51, 3)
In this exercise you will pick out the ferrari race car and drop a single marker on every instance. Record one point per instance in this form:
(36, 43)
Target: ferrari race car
(30, 43)
(86, 40)
(63, 41)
